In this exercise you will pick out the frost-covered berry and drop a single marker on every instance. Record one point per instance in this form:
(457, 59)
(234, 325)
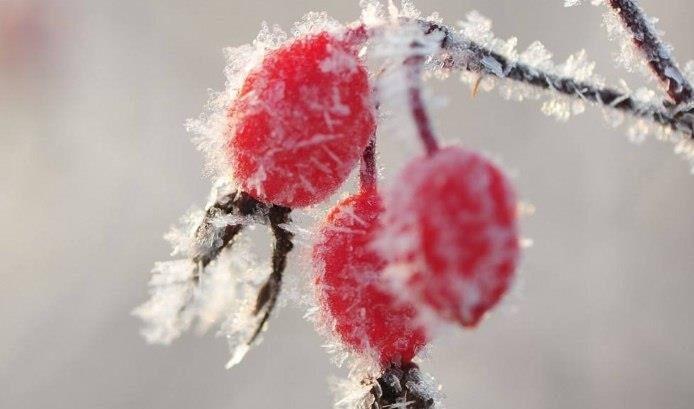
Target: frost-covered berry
(301, 121)
(351, 291)
(450, 220)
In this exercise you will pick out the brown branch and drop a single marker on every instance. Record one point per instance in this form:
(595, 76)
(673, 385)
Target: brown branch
(398, 388)
(655, 53)
(242, 204)
(462, 54)
(367, 168)
(237, 203)
(267, 297)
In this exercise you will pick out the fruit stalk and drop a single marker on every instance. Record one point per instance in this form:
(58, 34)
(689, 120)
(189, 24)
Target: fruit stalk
(419, 112)
(367, 169)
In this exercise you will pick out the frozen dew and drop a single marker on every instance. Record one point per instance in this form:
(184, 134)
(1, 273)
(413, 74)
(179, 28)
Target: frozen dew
(688, 71)
(164, 314)
(537, 56)
(558, 108)
(638, 131)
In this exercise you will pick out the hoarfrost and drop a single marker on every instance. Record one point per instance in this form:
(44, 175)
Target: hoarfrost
(571, 3)
(628, 56)
(164, 314)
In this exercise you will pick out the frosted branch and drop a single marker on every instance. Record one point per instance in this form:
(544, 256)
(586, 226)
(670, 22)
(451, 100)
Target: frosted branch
(367, 170)
(402, 388)
(459, 53)
(653, 50)
(267, 297)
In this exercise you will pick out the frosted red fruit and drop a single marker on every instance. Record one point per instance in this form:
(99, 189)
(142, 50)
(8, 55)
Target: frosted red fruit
(451, 220)
(301, 121)
(363, 312)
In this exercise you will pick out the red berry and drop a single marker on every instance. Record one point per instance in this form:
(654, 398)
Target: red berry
(364, 314)
(301, 121)
(451, 219)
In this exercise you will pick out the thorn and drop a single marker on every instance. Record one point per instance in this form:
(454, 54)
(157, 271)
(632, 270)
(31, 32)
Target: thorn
(476, 86)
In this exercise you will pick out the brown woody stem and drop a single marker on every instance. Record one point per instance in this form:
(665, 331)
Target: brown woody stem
(367, 168)
(398, 387)
(242, 204)
(655, 53)
(267, 297)
(462, 54)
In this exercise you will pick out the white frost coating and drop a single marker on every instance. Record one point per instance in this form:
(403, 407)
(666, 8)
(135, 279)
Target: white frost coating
(628, 57)
(170, 291)
(353, 392)
(688, 71)
(225, 292)
(479, 29)
(571, 3)
(634, 59)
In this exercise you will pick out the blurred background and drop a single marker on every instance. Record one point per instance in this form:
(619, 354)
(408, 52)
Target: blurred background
(95, 165)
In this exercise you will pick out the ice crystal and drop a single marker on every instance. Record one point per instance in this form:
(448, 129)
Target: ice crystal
(571, 3)
(164, 314)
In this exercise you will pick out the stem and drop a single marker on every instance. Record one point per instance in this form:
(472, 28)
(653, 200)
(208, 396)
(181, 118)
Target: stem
(398, 387)
(655, 53)
(267, 297)
(462, 54)
(236, 202)
(419, 112)
(242, 204)
(367, 169)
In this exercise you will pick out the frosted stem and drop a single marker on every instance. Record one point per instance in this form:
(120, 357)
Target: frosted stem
(419, 112)
(238, 203)
(656, 54)
(399, 387)
(267, 297)
(463, 54)
(242, 204)
(367, 169)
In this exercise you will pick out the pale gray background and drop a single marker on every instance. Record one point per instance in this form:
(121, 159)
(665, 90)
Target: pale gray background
(95, 165)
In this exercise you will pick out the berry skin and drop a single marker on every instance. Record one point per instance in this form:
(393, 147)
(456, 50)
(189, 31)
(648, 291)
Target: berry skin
(364, 314)
(451, 220)
(301, 121)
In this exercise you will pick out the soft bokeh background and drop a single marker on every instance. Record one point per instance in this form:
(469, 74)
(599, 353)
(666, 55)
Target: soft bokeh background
(95, 165)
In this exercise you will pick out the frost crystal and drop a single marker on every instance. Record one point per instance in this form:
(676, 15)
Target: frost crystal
(164, 313)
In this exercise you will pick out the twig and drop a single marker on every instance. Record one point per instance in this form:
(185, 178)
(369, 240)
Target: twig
(238, 203)
(419, 113)
(267, 297)
(463, 54)
(399, 388)
(242, 204)
(655, 53)
(367, 169)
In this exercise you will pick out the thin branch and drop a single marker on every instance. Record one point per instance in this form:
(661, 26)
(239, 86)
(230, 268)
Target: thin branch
(236, 203)
(367, 169)
(655, 53)
(419, 112)
(400, 388)
(463, 54)
(267, 297)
